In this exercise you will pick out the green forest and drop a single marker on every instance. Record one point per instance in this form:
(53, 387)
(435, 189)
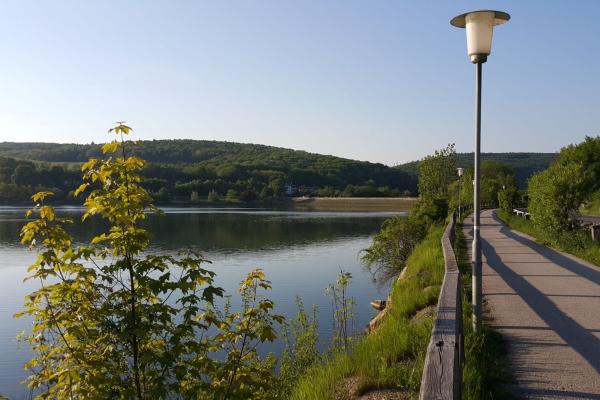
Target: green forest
(189, 171)
(198, 171)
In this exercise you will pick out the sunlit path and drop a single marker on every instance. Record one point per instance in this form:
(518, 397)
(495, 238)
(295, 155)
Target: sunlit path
(546, 304)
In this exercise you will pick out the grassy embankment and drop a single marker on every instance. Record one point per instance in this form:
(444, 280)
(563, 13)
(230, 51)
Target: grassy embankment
(485, 375)
(393, 355)
(579, 244)
(592, 206)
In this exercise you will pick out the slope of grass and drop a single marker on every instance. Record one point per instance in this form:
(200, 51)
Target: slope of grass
(578, 243)
(393, 355)
(592, 206)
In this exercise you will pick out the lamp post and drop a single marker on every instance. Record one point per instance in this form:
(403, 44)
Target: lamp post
(459, 171)
(479, 26)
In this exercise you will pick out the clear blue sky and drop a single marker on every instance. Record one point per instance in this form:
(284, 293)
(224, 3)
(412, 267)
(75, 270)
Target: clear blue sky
(384, 81)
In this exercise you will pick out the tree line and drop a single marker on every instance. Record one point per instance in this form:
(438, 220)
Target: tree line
(193, 171)
(524, 165)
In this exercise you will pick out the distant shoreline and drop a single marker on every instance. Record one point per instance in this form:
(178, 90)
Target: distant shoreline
(357, 204)
(353, 203)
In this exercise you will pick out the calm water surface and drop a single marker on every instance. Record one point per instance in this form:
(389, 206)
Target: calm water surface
(301, 253)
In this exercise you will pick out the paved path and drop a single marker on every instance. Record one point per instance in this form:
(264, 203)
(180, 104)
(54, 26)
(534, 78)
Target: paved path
(546, 304)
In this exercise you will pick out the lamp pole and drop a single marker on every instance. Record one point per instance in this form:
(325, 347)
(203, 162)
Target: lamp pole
(477, 282)
(479, 26)
(459, 171)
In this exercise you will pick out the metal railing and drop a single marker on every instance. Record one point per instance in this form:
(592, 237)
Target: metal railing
(442, 374)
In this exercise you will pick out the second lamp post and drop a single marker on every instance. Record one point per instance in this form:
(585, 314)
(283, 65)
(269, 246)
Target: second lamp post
(479, 26)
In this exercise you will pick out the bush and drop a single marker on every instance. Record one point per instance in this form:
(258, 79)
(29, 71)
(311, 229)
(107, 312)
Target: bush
(248, 196)
(507, 199)
(231, 195)
(301, 337)
(555, 196)
(391, 247)
(213, 196)
(429, 211)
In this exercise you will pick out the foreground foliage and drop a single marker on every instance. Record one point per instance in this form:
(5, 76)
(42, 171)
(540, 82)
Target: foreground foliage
(110, 321)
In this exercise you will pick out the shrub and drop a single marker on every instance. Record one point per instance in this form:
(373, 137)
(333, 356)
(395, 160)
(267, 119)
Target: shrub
(213, 196)
(555, 196)
(507, 199)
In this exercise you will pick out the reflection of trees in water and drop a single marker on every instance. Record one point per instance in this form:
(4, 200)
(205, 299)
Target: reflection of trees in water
(223, 231)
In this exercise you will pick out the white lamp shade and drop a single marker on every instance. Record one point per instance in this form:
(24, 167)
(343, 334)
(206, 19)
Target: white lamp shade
(460, 171)
(479, 27)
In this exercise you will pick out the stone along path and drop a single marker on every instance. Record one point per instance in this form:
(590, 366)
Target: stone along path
(546, 305)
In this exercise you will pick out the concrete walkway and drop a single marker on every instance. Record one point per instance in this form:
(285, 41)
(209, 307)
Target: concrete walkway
(546, 304)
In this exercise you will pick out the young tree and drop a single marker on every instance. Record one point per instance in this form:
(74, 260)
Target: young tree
(495, 177)
(387, 255)
(391, 247)
(507, 199)
(111, 321)
(436, 172)
(301, 337)
(342, 307)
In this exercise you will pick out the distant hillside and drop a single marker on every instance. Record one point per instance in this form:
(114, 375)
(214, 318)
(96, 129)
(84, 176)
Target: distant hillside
(524, 164)
(180, 170)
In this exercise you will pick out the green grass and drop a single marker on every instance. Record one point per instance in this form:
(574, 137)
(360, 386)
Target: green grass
(519, 223)
(592, 206)
(578, 243)
(485, 375)
(393, 355)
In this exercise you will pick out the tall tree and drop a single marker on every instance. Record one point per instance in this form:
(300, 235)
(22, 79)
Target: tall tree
(436, 173)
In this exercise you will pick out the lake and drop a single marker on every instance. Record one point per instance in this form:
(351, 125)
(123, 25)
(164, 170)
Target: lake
(301, 253)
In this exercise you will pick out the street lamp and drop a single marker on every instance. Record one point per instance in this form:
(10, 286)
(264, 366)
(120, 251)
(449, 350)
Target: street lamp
(479, 26)
(459, 171)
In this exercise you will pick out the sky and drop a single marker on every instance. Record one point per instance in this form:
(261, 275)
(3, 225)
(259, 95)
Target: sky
(383, 81)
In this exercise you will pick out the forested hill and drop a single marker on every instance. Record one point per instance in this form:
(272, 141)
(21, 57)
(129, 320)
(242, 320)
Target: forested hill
(524, 164)
(190, 170)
